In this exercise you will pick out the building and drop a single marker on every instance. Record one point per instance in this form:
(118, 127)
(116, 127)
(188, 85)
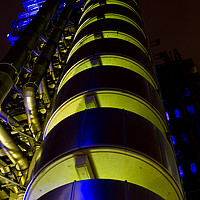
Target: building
(179, 82)
(83, 119)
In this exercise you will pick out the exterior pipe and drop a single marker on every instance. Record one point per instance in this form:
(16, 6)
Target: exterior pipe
(14, 153)
(8, 119)
(40, 69)
(4, 168)
(10, 181)
(11, 148)
(15, 126)
(29, 94)
(14, 61)
(43, 91)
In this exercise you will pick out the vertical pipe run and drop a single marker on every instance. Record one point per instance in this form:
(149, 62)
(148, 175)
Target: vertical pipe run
(12, 150)
(10, 68)
(107, 116)
(43, 91)
(39, 71)
(14, 61)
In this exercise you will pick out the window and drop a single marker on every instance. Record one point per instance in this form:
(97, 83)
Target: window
(186, 92)
(184, 137)
(177, 113)
(173, 140)
(191, 109)
(193, 168)
(167, 115)
(180, 171)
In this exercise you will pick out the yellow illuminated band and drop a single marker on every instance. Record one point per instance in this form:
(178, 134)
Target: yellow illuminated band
(109, 163)
(108, 99)
(110, 2)
(110, 16)
(108, 60)
(106, 2)
(108, 34)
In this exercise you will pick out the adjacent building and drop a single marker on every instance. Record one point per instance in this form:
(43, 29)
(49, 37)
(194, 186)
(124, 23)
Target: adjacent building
(179, 81)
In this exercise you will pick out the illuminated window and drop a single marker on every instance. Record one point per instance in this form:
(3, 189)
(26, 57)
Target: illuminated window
(177, 113)
(184, 137)
(191, 109)
(193, 168)
(167, 115)
(173, 140)
(186, 92)
(180, 171)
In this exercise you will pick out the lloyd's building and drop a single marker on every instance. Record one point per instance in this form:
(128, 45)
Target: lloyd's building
(106, 136)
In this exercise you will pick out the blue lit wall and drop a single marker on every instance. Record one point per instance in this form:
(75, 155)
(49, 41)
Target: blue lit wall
(31, 7)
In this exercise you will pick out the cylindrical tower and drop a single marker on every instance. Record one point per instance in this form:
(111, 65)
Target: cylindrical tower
(106, 137)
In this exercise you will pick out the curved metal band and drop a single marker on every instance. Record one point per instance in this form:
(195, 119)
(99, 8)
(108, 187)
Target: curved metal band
(108, 162)
(108, 60)
(108, 99)
(12, 66)
(109, 2)
(108, 34)
(90, 1)
(109, 16)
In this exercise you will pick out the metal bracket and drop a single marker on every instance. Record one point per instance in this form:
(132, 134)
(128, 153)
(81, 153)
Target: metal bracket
(83, 167)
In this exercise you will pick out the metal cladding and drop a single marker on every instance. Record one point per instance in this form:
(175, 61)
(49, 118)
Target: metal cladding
(108, 121)
(119, 190)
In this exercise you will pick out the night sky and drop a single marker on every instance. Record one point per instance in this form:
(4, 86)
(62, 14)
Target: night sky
(9, 10)
(175, 22)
